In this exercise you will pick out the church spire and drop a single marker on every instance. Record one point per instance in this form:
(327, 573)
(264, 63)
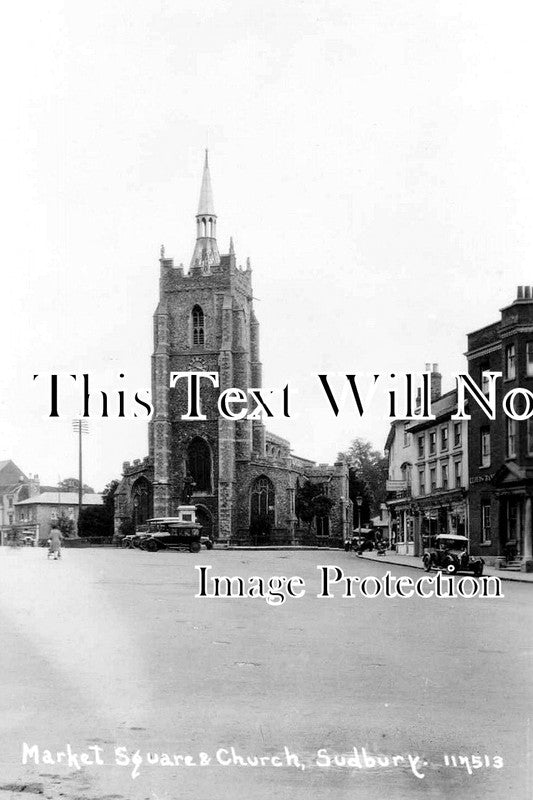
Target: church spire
(206, 252)
(205, 204)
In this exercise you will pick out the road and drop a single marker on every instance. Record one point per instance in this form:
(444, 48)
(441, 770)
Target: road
(110, 649)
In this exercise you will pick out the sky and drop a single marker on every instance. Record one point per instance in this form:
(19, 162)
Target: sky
(372, 158)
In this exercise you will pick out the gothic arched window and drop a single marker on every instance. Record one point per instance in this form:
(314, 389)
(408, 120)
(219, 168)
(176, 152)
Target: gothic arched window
(262, 501)
(199, 464)
(141, 493)
(198, 336)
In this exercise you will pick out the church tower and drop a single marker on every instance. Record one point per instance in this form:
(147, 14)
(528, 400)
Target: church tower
(204, 322)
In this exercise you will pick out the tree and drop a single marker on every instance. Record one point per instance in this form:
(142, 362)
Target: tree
(94, 521)
(368, 476)
(72, 485)
(98, 521)
(65, 525)
(311, 502)
(108, 495)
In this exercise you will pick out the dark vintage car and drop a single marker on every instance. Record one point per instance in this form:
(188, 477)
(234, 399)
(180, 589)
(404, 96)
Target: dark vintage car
(172, 534)
(363, 541)
(450, 554)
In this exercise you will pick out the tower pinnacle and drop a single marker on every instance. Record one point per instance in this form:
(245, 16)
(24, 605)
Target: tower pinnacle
(206, 250)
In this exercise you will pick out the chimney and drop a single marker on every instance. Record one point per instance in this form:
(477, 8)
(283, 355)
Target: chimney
(527, 292)
(436, 383)
(519, 292)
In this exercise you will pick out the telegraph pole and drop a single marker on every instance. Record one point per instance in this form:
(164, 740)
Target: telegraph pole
(80, 426)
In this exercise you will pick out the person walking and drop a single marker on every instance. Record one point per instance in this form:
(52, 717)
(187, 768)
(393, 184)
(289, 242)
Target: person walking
(55, 542)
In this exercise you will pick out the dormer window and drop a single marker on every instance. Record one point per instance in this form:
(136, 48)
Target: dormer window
(198, 336)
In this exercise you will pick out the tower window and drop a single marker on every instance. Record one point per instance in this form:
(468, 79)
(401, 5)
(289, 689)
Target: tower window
(198, 326)
(199, 464)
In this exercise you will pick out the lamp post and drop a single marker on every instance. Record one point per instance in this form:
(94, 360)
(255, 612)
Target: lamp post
(80, 426)
(359, 501)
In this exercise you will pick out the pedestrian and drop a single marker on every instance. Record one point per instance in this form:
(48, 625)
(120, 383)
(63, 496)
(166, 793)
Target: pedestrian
(55, 542)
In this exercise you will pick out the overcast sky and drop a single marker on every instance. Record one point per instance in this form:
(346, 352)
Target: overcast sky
(373, 159)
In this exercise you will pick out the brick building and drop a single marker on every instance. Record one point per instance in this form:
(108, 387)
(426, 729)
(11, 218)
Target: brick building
(501, 451)
(243, 479)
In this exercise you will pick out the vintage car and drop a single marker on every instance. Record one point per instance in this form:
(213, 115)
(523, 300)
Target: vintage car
(171, 533)
(127, 541)
(365, 540)
(450, 554)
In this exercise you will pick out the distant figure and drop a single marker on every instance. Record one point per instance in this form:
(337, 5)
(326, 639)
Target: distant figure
(55, 543)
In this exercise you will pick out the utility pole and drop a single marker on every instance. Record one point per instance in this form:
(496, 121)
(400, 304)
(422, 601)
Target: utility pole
(80, 426)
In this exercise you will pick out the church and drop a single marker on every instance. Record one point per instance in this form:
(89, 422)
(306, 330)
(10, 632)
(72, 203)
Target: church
(243, 480)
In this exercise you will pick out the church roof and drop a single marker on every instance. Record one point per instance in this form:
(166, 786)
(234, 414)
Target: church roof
(206, 204)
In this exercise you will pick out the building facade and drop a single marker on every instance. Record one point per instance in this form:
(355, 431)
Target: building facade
(428, 474)
(501, 450)
(242, 479)
(41, 511)
(14, 486)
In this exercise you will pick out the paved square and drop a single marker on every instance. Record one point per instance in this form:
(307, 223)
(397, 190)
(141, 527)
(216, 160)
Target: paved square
(110, 648)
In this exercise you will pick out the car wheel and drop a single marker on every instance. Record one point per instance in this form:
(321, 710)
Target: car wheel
(151, 546)
(427, 563)
(125, 544)
(195, 547)
(478, 569)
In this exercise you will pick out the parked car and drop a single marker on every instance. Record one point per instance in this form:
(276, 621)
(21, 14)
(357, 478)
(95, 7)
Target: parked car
(450, 553)
(127, 541)
(365, 541)
(172, 534)
(206, 541)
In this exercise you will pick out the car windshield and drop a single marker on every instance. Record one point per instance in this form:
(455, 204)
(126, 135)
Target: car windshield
(451, 544)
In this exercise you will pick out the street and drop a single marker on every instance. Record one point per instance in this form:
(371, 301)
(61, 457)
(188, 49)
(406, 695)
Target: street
(108, 651)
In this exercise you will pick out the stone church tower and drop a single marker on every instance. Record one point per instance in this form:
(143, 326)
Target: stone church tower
(242, 479)
(204, 321)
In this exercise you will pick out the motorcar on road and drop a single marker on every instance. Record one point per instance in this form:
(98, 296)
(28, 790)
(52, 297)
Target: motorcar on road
(450, 553)
(172, 533)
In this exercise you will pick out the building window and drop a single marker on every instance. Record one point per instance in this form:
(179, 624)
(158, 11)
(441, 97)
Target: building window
(458, 473)
(511, 437)
(485, 523)
(432, 442)
(444, 438)
(457, 434)
(484, 378)
(141, 493)
(529, 359)
(422, 481)
(510, 362)
(433, 478)
(10, 502)
(444, 476)
(485, 447)
(421, 447)
(530, 436)
(406, 435)
(199, 464)
(262, 503)
(198, 326)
